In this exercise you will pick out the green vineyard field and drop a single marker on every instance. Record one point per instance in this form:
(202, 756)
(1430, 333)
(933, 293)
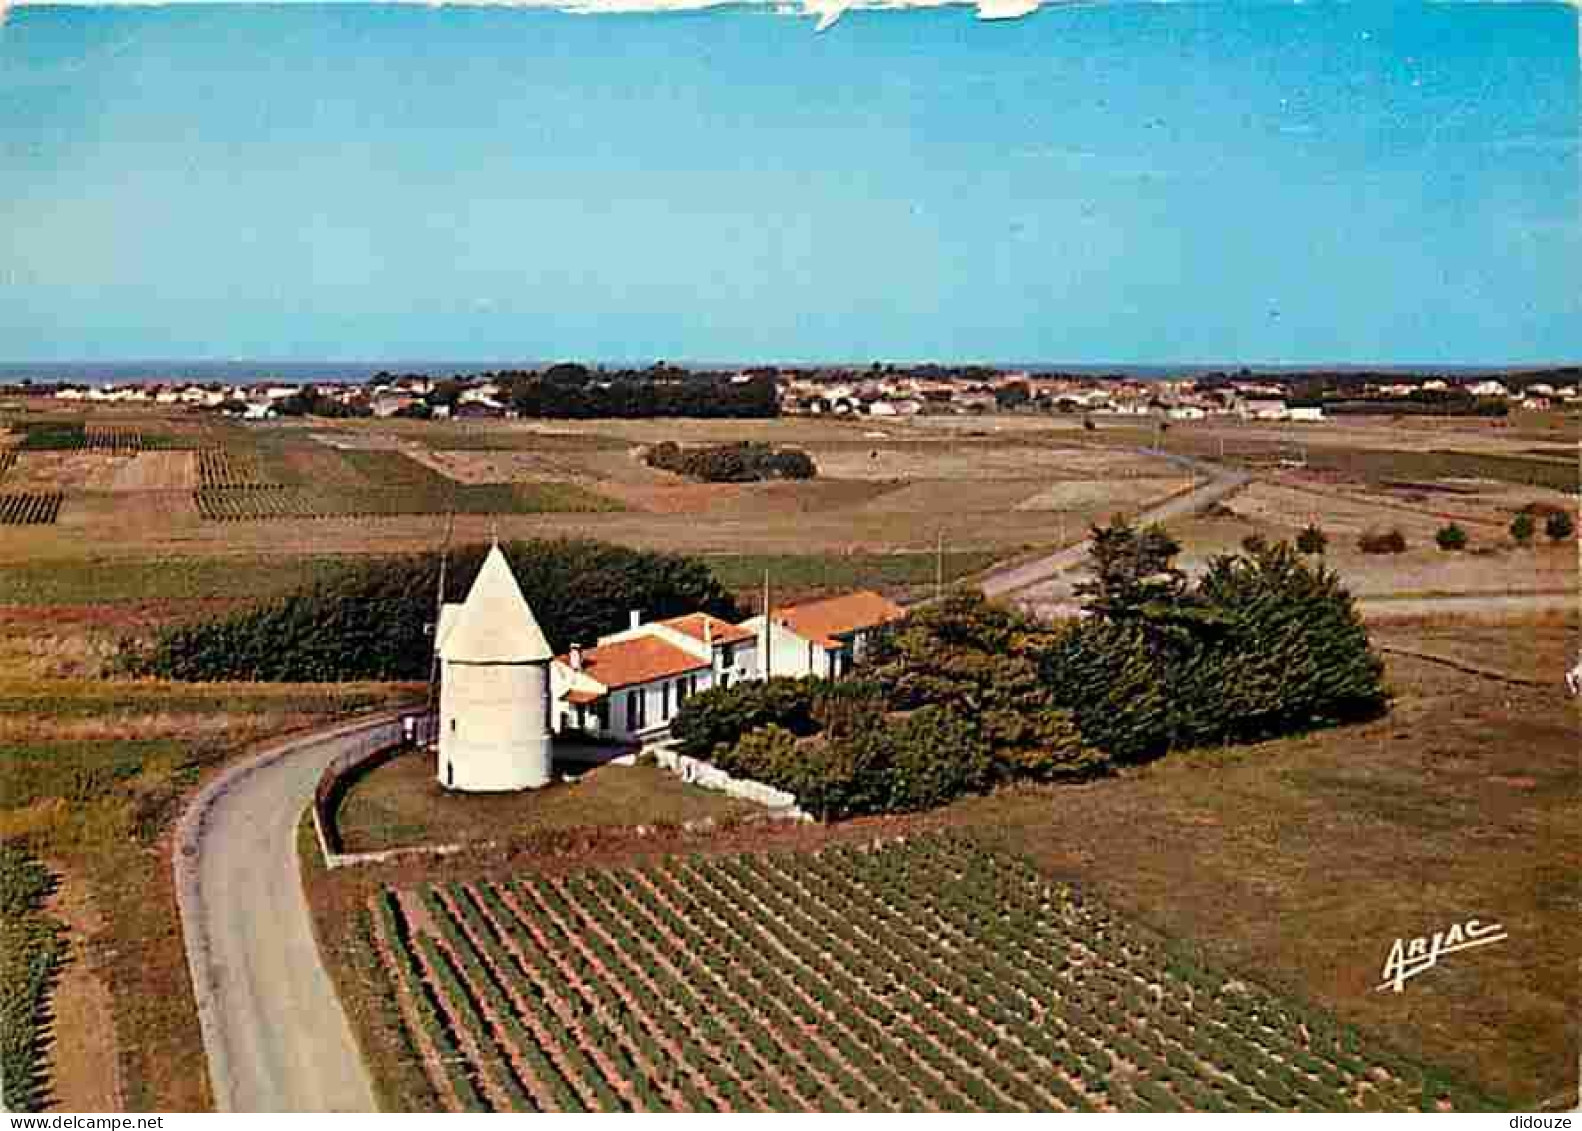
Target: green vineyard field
(930, 974)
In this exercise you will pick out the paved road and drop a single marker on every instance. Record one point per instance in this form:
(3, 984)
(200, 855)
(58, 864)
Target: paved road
(1219, 482)
(274, 1031)
(1385, 608)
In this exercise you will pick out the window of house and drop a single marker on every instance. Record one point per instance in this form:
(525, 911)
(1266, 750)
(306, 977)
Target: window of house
(453, 726)
(728, 655)
(633, 698)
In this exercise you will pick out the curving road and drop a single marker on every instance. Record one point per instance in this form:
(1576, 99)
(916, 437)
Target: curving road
(274, 1031)
(1220, 482)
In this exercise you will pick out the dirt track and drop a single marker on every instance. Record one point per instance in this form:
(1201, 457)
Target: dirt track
(274, 1031)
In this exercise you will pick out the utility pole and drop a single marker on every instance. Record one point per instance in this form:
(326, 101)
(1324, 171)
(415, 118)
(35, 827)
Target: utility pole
(767, 663)
(439, 609)
(939, 565)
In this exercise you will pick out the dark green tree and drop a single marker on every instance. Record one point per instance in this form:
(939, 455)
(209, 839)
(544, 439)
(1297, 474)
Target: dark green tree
(1559, 526)
(1134, 572)
(1451, 537)
(1312, 539)
(1522, 528)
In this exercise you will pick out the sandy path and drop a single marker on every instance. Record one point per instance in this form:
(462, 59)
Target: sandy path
(274, 1031)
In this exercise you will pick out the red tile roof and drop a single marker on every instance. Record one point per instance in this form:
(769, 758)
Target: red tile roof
(723, 632)
(638, 660)
(824, 621)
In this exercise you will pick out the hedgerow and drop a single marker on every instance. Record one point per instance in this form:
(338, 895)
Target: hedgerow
(375, 621)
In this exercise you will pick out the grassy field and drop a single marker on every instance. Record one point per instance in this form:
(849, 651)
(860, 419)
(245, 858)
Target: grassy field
(202, 581)
(92, 773)
(398, 804)
(1302, 860)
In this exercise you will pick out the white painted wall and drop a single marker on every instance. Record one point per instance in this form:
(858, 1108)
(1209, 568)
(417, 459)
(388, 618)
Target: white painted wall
(789, 654)
(494, 726)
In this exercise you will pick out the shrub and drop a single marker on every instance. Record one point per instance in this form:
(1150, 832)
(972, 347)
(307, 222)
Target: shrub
(1559, 526)
(1312, 539)
(1451, 537)
(743, 462)
(1254, 543)
(370, 621)
(1273, 645)
(710, 722)
(1381, 542)
(1522, 528)
(934, 756)
(894, 764)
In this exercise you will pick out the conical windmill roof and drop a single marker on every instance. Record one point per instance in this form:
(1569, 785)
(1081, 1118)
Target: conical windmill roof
(494, 625)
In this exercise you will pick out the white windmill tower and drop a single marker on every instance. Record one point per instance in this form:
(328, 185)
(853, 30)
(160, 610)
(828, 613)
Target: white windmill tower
(494, 687)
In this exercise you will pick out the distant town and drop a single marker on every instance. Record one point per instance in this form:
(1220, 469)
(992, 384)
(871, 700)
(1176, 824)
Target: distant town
(578, 391)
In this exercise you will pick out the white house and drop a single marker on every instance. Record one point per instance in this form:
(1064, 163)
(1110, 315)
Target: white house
(823, 638)
(1261, 409)
(494, 707)
(1310, 414)
(1186, 412)
(1488, 389)
(633, 682)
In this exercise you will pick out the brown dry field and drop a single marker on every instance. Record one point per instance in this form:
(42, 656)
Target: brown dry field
(157, 471)
(993, 486)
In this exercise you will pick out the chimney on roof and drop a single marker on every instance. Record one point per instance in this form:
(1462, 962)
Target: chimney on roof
(575, 656)
(637, 618)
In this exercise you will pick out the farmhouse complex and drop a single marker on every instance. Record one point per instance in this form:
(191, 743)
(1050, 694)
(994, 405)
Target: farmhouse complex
(503, 692)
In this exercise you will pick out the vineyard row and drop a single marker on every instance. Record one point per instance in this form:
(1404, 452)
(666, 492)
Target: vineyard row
(926, 975)
(30, 508)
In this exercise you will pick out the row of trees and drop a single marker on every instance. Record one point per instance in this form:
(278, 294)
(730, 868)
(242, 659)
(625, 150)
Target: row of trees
(374, 621)
(744, 462)
(966, 694)
(574, 391)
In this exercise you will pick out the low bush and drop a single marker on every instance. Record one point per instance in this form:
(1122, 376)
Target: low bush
(710, 722)
(743, 462)
(1522, 528)
(1450, 537)
(1312, 539)
(1381, 542)
(1559, 526)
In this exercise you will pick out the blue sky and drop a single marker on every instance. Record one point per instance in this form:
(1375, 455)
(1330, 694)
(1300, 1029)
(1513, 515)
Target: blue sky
(1153, 183)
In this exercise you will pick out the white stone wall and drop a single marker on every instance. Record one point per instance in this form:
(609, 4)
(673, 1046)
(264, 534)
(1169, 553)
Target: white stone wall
(697, 772)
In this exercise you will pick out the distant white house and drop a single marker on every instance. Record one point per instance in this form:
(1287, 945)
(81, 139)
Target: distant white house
(823, 638)
(632, 683)
(1263, 409)
(1186, 412)
(1307, 414)
(1488, 389)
